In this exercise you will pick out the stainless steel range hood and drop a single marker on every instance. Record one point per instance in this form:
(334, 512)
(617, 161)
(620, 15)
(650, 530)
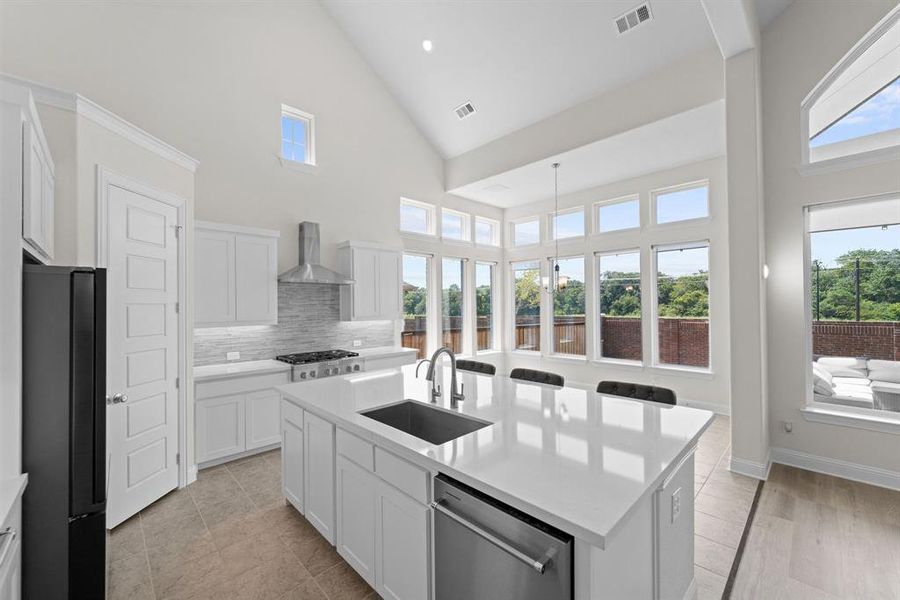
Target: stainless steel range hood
(309, 270)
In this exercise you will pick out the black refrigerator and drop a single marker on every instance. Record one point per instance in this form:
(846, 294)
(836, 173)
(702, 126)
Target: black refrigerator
(64, 432)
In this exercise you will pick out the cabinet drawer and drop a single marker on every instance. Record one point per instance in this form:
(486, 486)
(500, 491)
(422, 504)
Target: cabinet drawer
(291, 412)
(238, 385)
(357, 450)
(407, 478)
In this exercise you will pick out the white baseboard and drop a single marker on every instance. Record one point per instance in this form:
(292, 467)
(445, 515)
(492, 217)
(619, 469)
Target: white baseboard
(749, 468)
(838, 468)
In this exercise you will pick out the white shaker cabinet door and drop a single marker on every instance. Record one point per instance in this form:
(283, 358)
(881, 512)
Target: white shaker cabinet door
(220, 427)
(256, 279)
(318, 474)
(356, 489)
(401, 533)
(37, 194)
(365, 287)
(214, 278)
(389, 285)
(292, 454)
(262, 418)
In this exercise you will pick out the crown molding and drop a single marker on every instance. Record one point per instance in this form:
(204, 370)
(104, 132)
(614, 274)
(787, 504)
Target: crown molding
(78, 104)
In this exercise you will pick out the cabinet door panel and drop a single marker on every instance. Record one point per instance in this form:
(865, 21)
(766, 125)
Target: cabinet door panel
(256, 279)
(262, 415)
(292, 463)
(33, 219)
(213, 278)
(389, 285)
(318, 474)
(48, 189)
(402, 545)
(356, 517)
(365, 288)
(220, 427)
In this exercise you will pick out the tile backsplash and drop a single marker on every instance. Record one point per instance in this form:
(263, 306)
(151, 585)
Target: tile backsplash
(309, 318)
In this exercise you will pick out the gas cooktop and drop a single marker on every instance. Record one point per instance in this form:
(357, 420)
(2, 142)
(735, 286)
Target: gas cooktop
(305, 358)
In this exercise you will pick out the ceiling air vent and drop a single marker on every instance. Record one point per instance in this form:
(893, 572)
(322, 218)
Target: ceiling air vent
(633, 18)
(464, 110)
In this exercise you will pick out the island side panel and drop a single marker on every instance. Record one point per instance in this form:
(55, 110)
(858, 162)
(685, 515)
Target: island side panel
(675, 532)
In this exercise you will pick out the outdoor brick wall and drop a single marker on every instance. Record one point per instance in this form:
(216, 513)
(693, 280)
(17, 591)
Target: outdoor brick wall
(684, 342)
(871, 339)
(621, 338)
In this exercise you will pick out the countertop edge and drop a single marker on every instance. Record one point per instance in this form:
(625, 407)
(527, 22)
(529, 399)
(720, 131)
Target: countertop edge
(264, 367)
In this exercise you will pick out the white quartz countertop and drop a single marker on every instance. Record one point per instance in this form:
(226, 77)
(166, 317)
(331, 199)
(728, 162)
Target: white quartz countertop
(384, 351)
(236, 369)
(578, 460)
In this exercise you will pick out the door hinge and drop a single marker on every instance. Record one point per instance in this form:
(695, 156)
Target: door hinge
(178, 458)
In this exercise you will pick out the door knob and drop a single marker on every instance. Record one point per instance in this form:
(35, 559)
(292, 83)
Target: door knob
(119, 399)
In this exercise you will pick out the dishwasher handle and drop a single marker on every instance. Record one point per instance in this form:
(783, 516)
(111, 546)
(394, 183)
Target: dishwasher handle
(538, 564)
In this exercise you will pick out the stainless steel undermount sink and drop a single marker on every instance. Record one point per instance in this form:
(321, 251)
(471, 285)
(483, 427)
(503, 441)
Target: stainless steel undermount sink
(427, 423)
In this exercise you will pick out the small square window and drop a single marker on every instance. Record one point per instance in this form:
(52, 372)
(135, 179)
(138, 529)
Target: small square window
(618, 215)
(527, 232)
(682, 204)
(487, 232)
(297, 142)
(455, 225)
(416, 217)
(567, 224)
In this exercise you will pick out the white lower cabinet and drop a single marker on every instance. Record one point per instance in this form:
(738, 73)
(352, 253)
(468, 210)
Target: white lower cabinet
(401, 534)
(318, 474)
(261, 415)
(292, 454)
(220, 427)
(356, 505)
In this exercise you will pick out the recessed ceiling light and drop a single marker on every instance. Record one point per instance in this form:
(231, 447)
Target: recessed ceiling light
(427, 46)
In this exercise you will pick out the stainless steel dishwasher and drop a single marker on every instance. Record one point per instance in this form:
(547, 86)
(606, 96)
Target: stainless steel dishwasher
(487, 550)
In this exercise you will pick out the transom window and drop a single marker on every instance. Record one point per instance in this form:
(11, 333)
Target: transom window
(567, 224)
(683, 203)
(454, 225)
(487, 232)
(526, 232)
(297, 141)
(416, 217)
(618, 215)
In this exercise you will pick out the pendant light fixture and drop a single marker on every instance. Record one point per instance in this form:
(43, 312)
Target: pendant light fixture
(558, 282)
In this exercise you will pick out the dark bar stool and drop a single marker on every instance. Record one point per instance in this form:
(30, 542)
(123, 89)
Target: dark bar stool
(637, 391)
(476, 367)
(538, 376)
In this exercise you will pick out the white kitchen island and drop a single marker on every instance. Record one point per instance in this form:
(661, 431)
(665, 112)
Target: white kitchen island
(616, 474)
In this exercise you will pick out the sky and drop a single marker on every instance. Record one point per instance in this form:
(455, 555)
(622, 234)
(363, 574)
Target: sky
(881, 112)
(826, 246)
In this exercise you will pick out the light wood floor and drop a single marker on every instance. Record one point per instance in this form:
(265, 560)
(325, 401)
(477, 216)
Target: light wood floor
(816, 536)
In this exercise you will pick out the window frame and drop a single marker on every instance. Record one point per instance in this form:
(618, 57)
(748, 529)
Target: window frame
(655, 249)
(429, 294)
(598, 309)
(551, 301)
(511, 305)
(465, 226)
(496, 304)
(551, 223)
(612, 202)
(310, 119)
(495, 232)
(681, 187)
(520, 221)
(430, 218)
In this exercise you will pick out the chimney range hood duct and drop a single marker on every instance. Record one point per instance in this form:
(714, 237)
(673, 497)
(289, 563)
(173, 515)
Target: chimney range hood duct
(309, 270)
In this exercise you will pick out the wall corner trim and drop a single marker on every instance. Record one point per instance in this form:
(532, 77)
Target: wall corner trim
(838, 468)
(57, 98)
(750, 468)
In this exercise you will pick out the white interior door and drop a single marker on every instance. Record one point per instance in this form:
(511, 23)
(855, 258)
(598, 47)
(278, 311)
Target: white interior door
(142, 351)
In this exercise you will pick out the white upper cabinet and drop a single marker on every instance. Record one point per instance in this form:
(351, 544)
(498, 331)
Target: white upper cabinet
(235, 275)
(375, 293)
(37, 192)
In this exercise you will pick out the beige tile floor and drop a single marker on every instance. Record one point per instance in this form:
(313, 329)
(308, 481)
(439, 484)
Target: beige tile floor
(231, 535)
(816, 536)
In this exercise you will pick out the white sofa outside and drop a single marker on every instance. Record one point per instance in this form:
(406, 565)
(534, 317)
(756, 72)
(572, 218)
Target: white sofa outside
(857, 382)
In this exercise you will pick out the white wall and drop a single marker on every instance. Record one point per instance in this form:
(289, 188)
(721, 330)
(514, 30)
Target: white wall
(211, 81)
(709, 390)
(798, 49)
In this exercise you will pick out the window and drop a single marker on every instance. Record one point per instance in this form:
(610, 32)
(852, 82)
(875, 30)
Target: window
(297, 131)
(856, 108)
(617, 215)
(568, 308)
(415, 303)
(487, 232)
(681, 204)
(682, 305)
(854, 291)
(527, 305)
(454, 225)
(619, 301)
(526, 232)
(484, 306)
(452, 299)
(416, 217)
(567, 224)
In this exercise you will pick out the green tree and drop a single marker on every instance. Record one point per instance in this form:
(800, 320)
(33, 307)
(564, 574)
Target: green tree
(528, 292)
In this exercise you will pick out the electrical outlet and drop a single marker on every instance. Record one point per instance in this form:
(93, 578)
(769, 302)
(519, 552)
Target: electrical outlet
(676, 504)
(357, 343)
(788, 427)
(232, 356)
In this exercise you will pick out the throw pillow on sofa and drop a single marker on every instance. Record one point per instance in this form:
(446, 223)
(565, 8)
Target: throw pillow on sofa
(822, 381)
(884, 370)
(842, 366)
